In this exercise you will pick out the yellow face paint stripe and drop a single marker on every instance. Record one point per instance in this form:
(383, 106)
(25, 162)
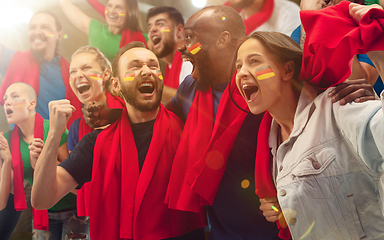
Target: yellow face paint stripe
(129, 76)
(159, 74)
(195, 48)
(20, 103)
(95, 75)
(165, 29)
(266, 75)
(49, 34)
(264, 72)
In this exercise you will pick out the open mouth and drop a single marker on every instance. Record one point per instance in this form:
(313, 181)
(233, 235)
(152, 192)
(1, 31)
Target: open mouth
(249, 90)
(38, 39)
(113, 16)
(146, 88)
(81, 88)
(156, 40)
(8, 111)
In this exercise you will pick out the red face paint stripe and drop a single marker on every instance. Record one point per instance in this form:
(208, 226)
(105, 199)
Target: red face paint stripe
(129, 76)
(261, 72)
(194, 46)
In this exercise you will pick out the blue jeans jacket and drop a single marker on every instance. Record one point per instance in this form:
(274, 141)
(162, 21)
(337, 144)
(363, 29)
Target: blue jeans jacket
(328, 172)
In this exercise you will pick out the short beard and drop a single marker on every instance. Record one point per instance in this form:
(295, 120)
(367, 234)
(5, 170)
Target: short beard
(167, 49)
(39, 54)
(130, 97)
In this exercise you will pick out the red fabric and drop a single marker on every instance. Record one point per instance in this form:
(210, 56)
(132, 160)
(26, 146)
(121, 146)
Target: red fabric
(83, 195)
(40, 217)
(204, 149)
(172, 74)
(264, 186)
(25, 68)
(329, 48)
(127, 36)
(257, 19)
(129, 205)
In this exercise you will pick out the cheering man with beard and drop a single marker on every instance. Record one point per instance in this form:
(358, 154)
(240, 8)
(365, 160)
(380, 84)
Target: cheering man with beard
(165, 32)
(41, 67)
(129, 162)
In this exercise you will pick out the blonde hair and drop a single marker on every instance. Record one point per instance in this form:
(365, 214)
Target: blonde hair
(100, 59)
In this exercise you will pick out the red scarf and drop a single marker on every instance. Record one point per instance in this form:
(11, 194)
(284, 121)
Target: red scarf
(25, 68)
(83, 195)
(329, 49)
(40, 217)
(127, 205)
(257, 19)
(264, 186)
(172, 74)
(127, 36)
(203, 151)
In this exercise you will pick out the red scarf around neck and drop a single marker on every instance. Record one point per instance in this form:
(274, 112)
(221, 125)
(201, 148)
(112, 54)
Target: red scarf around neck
(264, 186)
(257, 19)
(24, 67)
(40, 217)
(127, 205)
(172, 74)
(83, 195)
(203, 151)
(328, 50)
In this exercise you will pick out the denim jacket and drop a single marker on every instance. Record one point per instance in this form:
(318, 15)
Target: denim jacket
(327, 174)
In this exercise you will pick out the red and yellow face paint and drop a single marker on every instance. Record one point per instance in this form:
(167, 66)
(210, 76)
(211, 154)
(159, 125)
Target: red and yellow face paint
(19, 103)
(264, 72)
(121, 13)
(95, 75)
(49, 34)
(159, 74)
(129, 76)
(165, 29)
(195, 48)
(106, 11)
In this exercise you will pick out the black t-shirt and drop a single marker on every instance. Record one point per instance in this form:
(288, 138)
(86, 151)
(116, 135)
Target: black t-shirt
(80, 161)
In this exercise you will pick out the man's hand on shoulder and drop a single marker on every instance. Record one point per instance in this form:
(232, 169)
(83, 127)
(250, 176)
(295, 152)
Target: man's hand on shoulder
(358, 90)
(98, 114)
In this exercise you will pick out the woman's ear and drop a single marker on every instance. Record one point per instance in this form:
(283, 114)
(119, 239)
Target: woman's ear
(106, 75)
(288, 71)
(32, 105)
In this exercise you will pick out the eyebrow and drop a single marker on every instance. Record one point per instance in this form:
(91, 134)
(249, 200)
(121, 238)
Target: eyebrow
(159, 20)
(82, 65)
(254, 54)
(140, 62)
